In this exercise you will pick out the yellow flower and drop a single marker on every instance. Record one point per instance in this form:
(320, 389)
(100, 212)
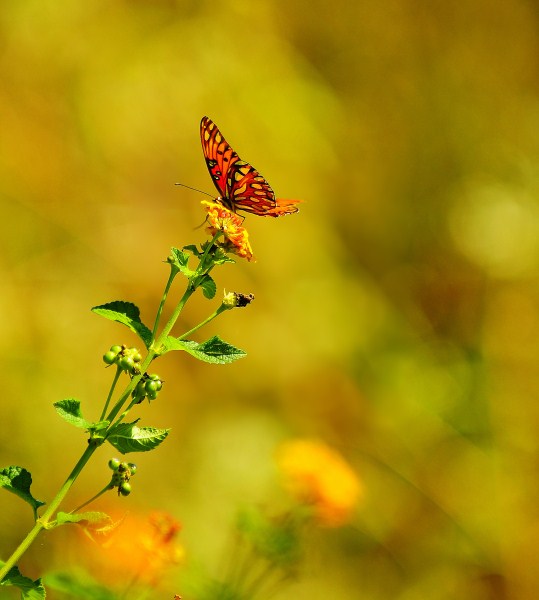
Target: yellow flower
(317, 476)
(230, 224)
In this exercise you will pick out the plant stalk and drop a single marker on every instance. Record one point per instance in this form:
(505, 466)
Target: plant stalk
(43, 521)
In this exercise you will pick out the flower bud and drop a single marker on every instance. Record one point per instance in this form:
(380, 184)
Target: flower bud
(237, 300)
(110, 357)
(114, 463)
(124, 489)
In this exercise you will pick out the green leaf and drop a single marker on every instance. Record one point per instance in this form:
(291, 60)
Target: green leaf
(80, 586)
(214, 351)
(30, 590)
(220, 257)
(128, 314)
(127, 437)
(18, 481)
(96, 525)
(180, 260)
(208, 287)
(92, 520)
(70, 411)
(193, 249)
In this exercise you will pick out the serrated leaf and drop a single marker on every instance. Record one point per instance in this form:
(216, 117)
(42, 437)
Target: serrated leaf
(193, 249)
(180, 261)
(70, 411)
(18, 480)
(208, 287)
(128, 314)
(127, 437)
(214, 351)
(30, 590)
(80, 586)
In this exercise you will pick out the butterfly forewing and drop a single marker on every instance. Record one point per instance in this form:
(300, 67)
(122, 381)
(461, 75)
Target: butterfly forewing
(218, 154)
(240, 185)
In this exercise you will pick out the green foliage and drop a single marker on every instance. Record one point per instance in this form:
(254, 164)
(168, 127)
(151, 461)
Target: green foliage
(215, 255)
(70, 411)
(30, 589)
(277, 539)
(208, 286)
(179, 262)
(215, 350)
(18, 481)
(127, 437)
(218, 590)
(128, 314)
(81, 587)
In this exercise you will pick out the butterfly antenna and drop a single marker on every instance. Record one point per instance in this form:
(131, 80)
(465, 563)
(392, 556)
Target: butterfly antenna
(194, 189)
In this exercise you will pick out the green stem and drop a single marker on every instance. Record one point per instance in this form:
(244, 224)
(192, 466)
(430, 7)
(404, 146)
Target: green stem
(43, 521)
(105, 489)
(172, 321)
(132, 384)
(173, 274)
(217, 235)
(112, 388)
(150, 356)
(216, 313)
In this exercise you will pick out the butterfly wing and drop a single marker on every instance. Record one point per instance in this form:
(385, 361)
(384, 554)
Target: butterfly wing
(218, 154)
(240, 185)
(247, 190)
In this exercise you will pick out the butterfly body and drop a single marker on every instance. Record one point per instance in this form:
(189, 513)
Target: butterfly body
(240, 185)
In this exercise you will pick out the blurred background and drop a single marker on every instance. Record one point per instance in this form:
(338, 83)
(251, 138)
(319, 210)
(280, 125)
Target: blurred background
(396, 316)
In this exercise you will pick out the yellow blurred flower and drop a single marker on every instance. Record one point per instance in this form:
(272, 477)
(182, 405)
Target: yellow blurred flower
(319, 477)
(230, 224)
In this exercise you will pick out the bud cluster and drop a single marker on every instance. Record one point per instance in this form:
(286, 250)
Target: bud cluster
(126, 358)
(122, 473)
(148, 387)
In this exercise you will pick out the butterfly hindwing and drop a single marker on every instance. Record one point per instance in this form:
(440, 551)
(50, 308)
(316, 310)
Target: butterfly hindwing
(248, 190)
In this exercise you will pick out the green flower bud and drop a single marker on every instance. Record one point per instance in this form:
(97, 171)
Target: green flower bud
(110, 357)
(126, 363)
(124, 489)
(152, 386)
(114, 463)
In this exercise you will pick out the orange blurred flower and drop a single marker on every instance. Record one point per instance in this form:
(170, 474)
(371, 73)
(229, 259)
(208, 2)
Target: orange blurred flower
(319, 477)
(144, 546)
(230, 224)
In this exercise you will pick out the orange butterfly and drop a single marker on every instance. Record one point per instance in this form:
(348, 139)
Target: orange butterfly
(240, 185)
